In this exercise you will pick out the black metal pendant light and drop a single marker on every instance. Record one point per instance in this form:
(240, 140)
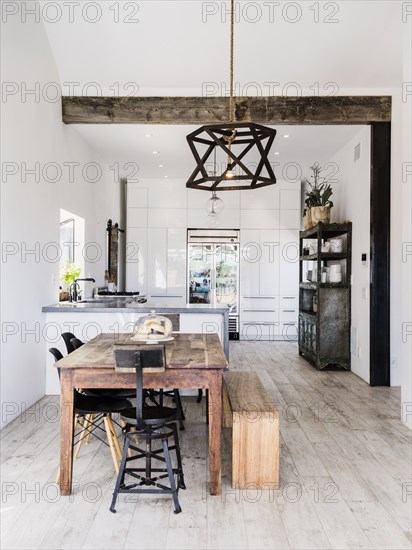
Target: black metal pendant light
(236, 142)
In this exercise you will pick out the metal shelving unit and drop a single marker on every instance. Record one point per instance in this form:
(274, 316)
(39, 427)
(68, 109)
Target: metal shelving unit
(324, 334)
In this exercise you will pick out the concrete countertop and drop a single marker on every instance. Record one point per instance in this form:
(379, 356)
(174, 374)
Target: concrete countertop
(125, 305)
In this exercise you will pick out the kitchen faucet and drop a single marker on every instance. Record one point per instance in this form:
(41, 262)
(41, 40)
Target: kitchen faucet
(74, 288)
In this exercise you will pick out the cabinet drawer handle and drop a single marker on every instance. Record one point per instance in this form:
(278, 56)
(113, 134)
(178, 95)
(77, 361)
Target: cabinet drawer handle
(166, 295)
(260, 310)
(262, 297)
(288, 297)
(289, 310)
(290, 324)
(260, 323)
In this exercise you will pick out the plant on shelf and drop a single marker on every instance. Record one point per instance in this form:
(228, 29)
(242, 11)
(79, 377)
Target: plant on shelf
(317, 202)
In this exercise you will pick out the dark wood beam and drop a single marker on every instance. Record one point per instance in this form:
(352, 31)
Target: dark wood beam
(212, 110)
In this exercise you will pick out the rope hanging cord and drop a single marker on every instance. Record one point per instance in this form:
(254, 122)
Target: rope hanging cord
(231, 138)
(232, 42)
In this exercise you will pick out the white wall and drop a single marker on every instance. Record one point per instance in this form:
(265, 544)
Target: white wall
(33, 133)
(351, 198)
(406, 265)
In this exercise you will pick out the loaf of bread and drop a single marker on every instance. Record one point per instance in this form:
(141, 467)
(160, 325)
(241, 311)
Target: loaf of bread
(152, 329)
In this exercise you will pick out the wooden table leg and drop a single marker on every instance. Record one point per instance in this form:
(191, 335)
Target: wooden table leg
(215, 429)
(66, 431)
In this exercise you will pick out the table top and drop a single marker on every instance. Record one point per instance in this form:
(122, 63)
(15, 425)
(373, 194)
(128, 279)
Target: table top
(186, 351)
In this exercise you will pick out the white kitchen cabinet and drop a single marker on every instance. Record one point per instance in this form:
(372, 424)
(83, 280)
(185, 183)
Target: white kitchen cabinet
(288, 331)
(263, 198)
(264, 219)
(289, 199)
(250, 255)
(136, 259)
(269, 263)
(260, 302)
(197, 218)
(166, 263)
(259, 263)
(136, 217)
(176, 261)
(157, 261)
(259, 284)
(167, 217)
(167, 194)
(289, 262)
(136, 196)
(269, 283)
(290, 219)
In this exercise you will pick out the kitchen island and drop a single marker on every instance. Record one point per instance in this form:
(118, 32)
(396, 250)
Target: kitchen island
(117, 315)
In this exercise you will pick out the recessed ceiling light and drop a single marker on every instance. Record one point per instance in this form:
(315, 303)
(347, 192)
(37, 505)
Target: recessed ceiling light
(165, 176)
(161, 165)
(276, 152)
(148, 135)
(155, 152)
(286, 135)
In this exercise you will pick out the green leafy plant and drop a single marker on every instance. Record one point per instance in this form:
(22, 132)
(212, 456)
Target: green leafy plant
(320, 190)
(69, 273)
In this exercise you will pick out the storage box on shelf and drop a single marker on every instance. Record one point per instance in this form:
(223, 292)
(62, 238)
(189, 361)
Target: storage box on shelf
(325, 307)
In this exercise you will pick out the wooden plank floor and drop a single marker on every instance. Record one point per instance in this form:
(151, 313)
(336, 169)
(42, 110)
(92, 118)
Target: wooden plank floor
(345, 474)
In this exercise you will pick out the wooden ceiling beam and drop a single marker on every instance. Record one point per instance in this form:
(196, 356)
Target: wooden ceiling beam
(212, 110)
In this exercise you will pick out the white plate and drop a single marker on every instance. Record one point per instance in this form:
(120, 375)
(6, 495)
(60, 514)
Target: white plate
(152, 341)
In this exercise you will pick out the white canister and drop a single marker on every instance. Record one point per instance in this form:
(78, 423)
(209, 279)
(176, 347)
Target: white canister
(336, 245)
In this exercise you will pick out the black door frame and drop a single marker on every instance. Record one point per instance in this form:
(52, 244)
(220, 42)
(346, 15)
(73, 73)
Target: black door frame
(380, 221)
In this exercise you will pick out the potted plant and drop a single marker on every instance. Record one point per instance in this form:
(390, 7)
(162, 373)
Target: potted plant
(68, 274)
(317, 202)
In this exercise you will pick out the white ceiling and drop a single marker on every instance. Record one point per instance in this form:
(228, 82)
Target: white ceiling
(174, 46)
(126, 143)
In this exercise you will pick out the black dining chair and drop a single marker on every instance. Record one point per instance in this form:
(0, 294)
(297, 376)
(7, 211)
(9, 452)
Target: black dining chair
(155, 396)
(90, 410)
(148, 424)
(67, 336)
(76, 343)
(73, 344)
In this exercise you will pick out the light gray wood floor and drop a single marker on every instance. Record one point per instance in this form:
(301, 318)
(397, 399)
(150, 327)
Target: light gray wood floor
(345, 474)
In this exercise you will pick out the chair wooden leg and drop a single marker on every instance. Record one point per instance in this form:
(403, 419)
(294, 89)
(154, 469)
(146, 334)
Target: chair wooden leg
(90, 428)
(115, 438)
(111, 445)
(86, 424)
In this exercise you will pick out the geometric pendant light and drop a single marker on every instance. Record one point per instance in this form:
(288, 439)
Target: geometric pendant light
(242, 149)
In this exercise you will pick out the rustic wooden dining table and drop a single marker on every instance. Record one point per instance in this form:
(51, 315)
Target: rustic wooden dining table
(192, 361)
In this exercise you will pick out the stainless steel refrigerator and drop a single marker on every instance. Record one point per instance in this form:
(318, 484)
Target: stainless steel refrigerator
(213, 271)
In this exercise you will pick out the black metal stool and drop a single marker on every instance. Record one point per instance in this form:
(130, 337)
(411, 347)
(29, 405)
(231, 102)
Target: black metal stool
(156, 397)
(151, 423)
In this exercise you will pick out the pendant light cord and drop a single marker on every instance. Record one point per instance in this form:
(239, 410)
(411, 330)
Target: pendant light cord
(232, 41)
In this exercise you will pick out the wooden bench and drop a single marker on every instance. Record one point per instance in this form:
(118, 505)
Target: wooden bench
(254, 419)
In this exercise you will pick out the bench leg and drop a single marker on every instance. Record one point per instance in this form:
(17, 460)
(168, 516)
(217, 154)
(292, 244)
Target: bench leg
(255, 451)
